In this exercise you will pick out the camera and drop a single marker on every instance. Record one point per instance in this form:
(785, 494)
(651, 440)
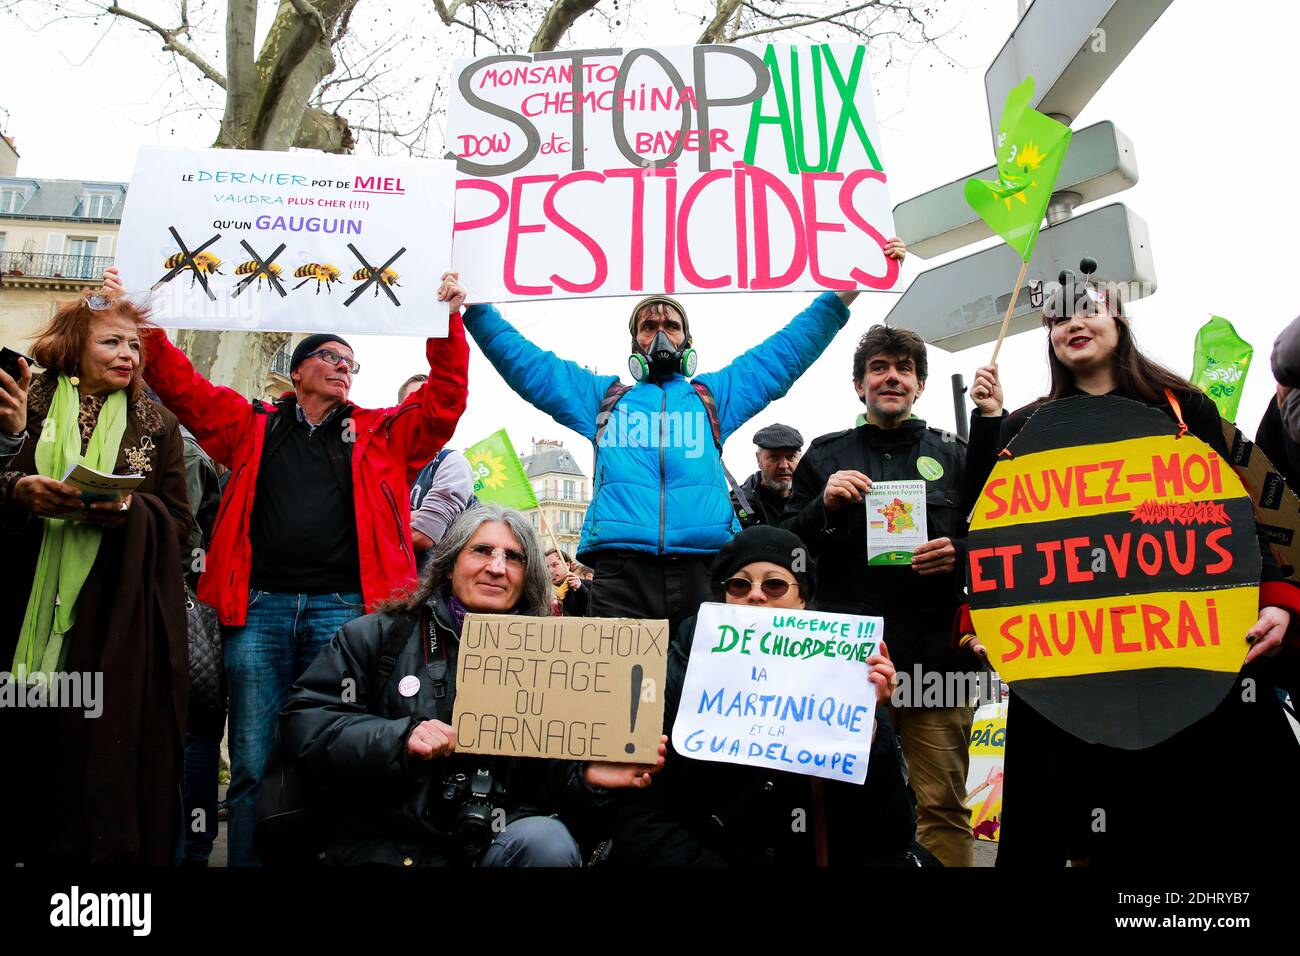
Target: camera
(473, 798)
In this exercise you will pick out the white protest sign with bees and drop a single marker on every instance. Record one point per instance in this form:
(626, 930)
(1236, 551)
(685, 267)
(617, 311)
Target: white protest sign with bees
(244, 240)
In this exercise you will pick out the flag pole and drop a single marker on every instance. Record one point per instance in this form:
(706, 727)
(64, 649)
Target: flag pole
(1011, 307)
(541, 515)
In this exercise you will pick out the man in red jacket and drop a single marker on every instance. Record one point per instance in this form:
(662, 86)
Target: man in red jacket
(314, 526)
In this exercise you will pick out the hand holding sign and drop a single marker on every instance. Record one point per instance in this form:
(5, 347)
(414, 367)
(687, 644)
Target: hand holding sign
(935, 557)
(618, 776)
(451, 291)
(843, 488)
(1266, 636)
(884, 676)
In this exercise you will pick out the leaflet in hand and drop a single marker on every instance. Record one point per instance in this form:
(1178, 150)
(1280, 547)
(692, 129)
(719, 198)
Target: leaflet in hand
(97, 486)
(895, 521)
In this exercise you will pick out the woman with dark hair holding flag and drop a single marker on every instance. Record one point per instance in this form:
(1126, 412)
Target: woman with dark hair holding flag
(1194, 795)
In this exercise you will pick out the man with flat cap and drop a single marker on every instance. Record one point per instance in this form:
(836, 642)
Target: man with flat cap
(314, 525)
(660, 509)
(763, 496)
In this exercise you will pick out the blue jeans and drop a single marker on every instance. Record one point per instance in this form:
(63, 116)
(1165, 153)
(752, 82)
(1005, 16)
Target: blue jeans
(283, 634)
(202, 765)
(533, 841)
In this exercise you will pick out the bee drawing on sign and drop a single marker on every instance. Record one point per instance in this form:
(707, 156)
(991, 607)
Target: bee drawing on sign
(388, 277)
(204, 263)
(251, 268)
(323, 273)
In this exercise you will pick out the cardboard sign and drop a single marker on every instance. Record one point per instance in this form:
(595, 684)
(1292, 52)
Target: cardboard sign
(290, 242)
(895, 521)
(567, 688)
(1113, 571)
(1277, 509)
(988, 742)
(681, 169)
(785, 690)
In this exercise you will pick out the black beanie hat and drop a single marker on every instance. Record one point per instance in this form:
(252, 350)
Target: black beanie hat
(765, 543)
(310, 344)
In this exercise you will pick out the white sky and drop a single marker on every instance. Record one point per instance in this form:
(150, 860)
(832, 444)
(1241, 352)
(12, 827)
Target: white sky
(1205, 97)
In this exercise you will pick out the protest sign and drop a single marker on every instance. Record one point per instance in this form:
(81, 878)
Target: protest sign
(568, 688)
(988, 742)
(781, 689)
(1277, 509)
(680, 169)
(895, 521)
(1113, 570)
(292, 242)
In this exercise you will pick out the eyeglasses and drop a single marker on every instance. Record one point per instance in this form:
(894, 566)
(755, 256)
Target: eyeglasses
(485, 552)
(352, 366)
(772, 587)
(97, 302)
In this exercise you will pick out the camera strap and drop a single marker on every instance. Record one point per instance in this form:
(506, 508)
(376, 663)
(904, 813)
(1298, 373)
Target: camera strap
(435, 654)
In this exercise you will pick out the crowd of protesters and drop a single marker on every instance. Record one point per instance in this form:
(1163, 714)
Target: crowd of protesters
(342, 547)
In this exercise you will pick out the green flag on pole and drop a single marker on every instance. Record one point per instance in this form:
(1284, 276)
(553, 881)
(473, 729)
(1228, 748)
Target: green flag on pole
(498, 473)
(1220, 364)
(1031, 148)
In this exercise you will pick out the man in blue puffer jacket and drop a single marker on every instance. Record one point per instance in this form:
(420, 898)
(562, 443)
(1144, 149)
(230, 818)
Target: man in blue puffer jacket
(660, 509)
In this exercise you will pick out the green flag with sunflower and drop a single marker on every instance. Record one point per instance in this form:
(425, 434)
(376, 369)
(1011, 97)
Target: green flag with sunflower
(1031, 148)
(499, 475)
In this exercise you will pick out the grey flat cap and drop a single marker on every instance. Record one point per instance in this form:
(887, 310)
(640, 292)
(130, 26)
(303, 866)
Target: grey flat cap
(778, 436)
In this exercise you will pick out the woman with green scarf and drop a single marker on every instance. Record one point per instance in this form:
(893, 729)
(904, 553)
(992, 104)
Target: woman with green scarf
(88, 639)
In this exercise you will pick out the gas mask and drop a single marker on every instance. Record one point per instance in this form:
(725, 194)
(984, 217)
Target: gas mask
(662, 360)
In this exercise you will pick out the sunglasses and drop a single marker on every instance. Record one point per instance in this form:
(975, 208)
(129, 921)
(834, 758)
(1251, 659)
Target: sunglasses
(97, 302)
(513, 558)
(772, 587)
(352, 366)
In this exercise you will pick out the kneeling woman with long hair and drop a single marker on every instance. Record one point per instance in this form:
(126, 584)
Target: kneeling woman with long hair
(369, 724)
(1206, 793)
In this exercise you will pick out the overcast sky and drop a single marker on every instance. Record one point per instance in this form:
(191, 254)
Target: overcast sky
(1205, 97)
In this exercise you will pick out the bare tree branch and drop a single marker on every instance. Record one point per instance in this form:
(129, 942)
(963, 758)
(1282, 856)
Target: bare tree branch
(722, 12)
(559, 17)
(805, 23)
(171, 43)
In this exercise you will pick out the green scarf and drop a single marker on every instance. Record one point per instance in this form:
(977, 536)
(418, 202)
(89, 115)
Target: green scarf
(68, 548)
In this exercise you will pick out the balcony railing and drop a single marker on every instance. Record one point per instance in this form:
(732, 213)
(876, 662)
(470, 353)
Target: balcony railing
(280, 362)
(47, 266)
(567, 497)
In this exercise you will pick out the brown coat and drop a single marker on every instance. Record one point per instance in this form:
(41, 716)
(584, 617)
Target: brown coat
(117, 610)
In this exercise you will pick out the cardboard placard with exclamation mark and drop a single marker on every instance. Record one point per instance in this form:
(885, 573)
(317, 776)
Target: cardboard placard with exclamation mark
(566, 688)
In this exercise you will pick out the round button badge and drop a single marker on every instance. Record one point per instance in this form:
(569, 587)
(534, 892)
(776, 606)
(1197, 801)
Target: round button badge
(930, 469)
(409, 686)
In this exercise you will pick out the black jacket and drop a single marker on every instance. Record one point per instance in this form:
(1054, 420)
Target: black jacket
(706, 813)
(765, 506)
(348, 738)
(918, 611)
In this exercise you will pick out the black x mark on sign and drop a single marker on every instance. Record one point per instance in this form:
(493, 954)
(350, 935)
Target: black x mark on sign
(263, 269)
(187, 262)
(374, 275)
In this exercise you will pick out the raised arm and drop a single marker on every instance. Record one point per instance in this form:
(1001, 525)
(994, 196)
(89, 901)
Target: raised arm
(219, 417)
(563, 389)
